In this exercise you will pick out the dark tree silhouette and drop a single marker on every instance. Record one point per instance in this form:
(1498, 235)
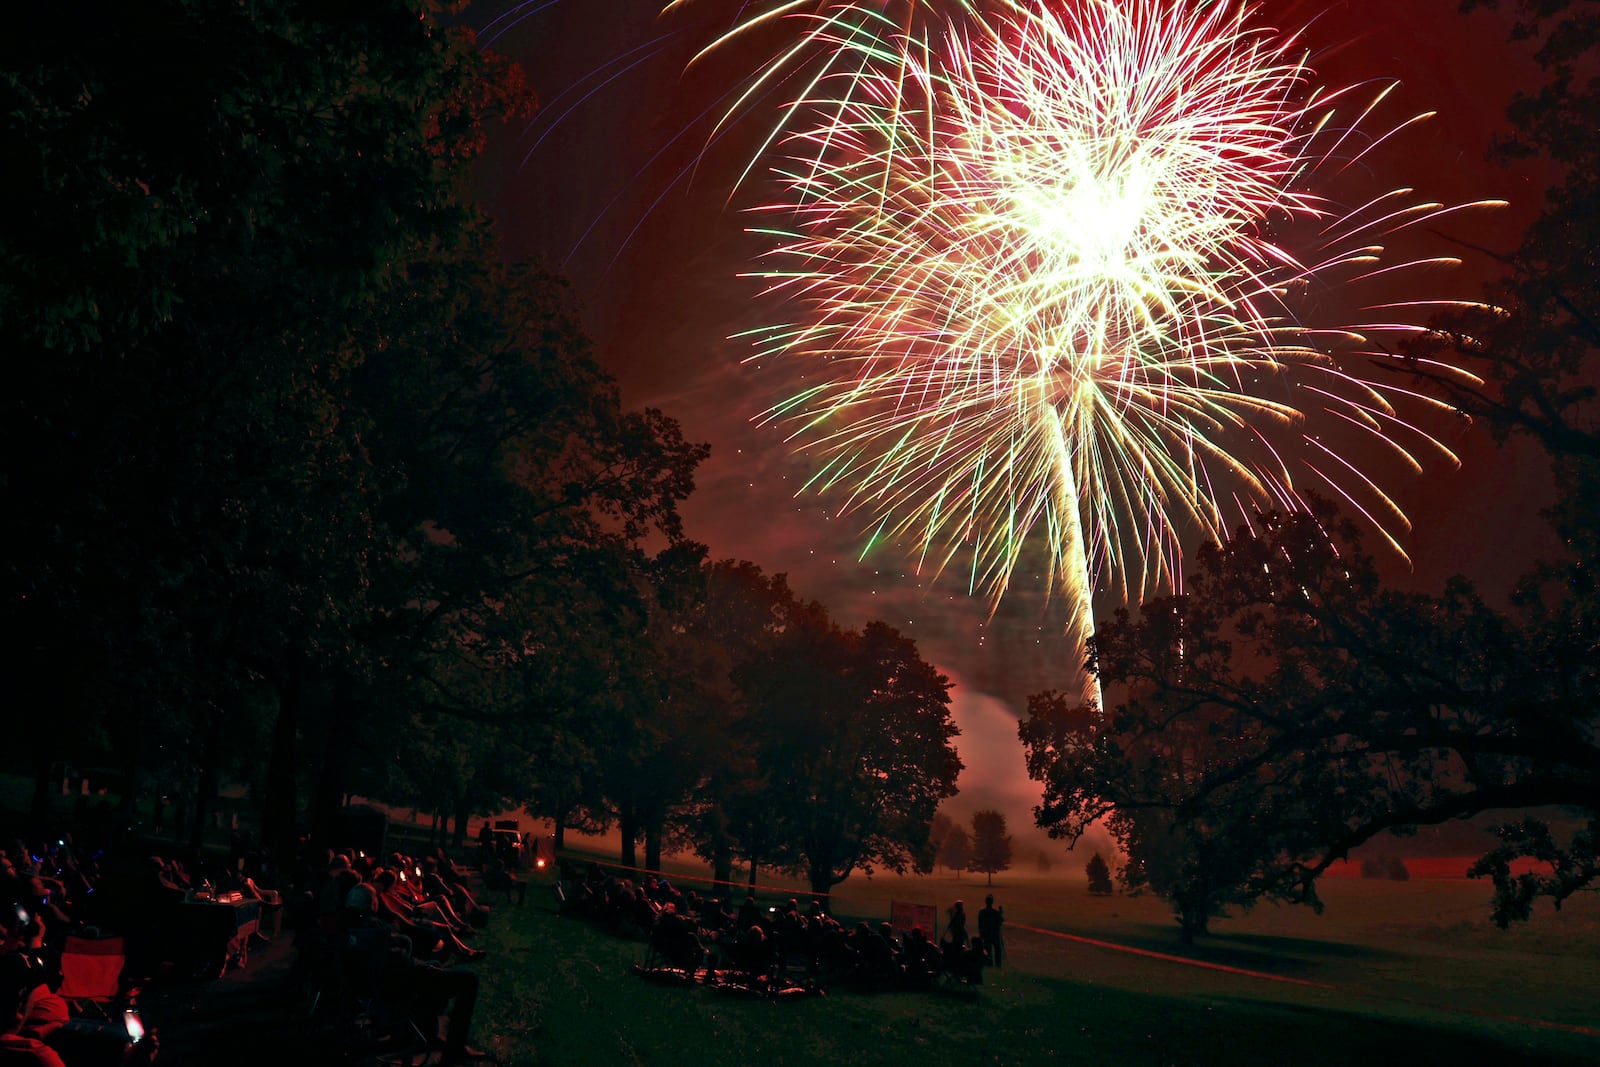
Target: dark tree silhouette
(1099, 875)
(854, 745)
(991, 845)
(294, 463)
(938, 830)
(956, 852)
(1288, 709)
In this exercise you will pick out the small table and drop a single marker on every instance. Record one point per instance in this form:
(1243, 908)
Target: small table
(212, 934)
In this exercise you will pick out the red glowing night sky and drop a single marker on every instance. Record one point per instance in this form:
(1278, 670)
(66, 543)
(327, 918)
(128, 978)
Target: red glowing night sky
(592, 187)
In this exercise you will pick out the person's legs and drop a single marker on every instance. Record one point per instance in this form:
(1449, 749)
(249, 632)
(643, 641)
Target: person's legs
(438, 985)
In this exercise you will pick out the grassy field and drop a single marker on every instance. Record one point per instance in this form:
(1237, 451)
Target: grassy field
(1392, 972)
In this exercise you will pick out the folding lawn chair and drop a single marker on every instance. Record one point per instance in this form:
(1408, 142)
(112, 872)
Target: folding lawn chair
(91, 973)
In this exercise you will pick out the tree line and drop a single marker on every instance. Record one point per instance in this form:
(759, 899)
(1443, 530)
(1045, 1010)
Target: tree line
(305, 487)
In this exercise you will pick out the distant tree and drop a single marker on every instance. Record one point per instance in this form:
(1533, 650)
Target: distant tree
(1374, 866)
(957, 850)
(938, 830)
(1043, 862)
(1397, 870)
(1099, 875)
(991, 845)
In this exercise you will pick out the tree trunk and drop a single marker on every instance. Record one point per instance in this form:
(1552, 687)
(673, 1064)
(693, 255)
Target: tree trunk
(652, 848)
(561, 831)
(721, 846)
(458, 840)
(821, 885)
(327, 795)
(206, 791)
(323, 804)
(629, 828)
(279, 806)
(132, 750)
(752, 875)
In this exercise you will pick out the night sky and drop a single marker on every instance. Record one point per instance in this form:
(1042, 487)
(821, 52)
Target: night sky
(592, 188)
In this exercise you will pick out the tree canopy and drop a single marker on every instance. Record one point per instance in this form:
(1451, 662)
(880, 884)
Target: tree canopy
(991, 845)
(285, 435)
(1288, 708)
(853, 742)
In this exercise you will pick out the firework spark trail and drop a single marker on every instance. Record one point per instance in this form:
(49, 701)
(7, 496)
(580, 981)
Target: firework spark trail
(1039, 296)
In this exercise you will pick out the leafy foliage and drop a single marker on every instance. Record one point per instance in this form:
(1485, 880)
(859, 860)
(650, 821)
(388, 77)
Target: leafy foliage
(854, 742)
(285, 436)
(1287, 709)
(956, 852)
(1098, 873)
(991, 845)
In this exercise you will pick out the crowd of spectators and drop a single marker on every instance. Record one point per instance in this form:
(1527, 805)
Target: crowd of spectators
(57, 895)
(774, 948)
(392, 935)
(397, 932)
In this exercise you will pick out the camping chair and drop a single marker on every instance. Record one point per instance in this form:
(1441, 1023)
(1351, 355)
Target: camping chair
(91, 973)
(672, 953)
(373, 1024)
(498, 879)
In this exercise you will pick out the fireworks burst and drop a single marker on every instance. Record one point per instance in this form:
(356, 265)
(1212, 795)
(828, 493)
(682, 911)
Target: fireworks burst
(1041, 285)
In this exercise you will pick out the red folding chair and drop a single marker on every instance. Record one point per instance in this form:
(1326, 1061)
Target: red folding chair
(91, 973)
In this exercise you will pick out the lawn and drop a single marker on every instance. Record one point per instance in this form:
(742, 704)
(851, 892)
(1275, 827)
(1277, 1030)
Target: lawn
(1392, 972)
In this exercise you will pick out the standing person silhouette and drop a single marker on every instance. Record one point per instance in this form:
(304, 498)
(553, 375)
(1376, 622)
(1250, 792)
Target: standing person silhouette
(990, 919)
(956, 932)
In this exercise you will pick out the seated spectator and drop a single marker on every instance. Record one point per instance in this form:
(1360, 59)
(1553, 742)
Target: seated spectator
(334, 893)
(970, 967)
(21, 981)
(446, 867)
(456, 897)
(920, 958)
(425, 988)
(497, 877)
(752, 953)
(675, 938)
(400, 890)
(887, 935)
(432, 936)
(749, 912)
(39, 898)
(22, 934)
(719, 916)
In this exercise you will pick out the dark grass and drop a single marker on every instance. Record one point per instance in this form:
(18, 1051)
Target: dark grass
(561, 992)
